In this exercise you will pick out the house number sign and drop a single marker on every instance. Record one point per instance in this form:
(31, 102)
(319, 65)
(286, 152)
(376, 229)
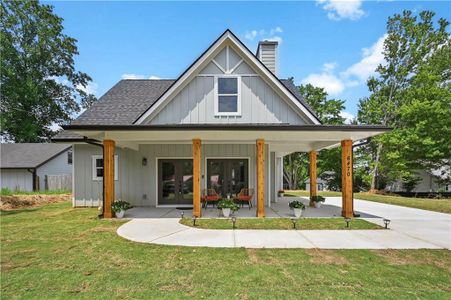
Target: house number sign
(348, 165)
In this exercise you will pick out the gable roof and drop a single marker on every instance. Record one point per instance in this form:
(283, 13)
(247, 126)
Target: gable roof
(28, 155)
(198, 64)
(124, 102)
(130, 98)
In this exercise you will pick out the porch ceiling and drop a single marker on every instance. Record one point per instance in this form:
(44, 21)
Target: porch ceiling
(281, 138)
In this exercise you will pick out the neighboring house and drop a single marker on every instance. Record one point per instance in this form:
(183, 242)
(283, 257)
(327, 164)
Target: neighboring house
(430, 182)
(36, 167)
(225, 123)
(321, 185)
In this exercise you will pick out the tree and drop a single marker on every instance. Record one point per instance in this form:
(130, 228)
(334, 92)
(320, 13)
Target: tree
(409, 50)
(39, 83)
(296, 165)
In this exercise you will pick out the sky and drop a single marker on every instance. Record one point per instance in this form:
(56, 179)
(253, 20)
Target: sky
(328, 43)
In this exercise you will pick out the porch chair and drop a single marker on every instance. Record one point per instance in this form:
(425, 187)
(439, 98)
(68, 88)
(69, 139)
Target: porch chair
(210, 196)
(245, 196)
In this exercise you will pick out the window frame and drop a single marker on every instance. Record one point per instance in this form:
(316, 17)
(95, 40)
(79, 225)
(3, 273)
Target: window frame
(94, 168)
(238, 95)
(70, 157)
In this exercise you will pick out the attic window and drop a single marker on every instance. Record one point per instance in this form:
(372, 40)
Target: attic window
(227, 102)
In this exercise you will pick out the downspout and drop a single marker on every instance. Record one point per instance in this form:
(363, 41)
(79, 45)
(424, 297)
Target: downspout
(355, 146)
(33, 171)
(96, 143)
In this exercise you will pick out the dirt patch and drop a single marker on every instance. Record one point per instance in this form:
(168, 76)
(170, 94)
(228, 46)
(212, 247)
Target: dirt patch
(252, 254)
(325, 257)
(400, 257)
(23, 201)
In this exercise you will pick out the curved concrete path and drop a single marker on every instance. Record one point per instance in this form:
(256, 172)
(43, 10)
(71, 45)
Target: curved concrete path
(410, 229)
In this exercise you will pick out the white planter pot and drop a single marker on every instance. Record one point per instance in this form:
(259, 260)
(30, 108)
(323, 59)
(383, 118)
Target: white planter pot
(317, 204)
(226, 212)
(120, 214)
(297, 212)
(281, 195)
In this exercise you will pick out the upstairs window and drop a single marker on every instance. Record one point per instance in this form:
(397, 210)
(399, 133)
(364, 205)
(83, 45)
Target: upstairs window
(227, 102)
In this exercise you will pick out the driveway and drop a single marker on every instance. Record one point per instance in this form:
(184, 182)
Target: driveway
(410, 228)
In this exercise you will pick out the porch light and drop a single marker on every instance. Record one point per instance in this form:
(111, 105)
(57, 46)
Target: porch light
(294, 220)
(386, 222)
(347, 220)
(233, 221)
(194, 221)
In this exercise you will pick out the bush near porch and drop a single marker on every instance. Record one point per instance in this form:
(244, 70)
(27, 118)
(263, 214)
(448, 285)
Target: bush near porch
(438, 205)
(54, 251)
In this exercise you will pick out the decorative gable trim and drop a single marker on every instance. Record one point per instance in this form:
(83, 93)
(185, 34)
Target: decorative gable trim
(201, 62)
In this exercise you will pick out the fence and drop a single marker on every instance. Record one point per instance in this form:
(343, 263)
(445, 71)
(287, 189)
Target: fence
(58, 182)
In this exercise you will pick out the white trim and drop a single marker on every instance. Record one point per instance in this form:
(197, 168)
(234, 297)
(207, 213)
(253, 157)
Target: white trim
(238, 94)
(94, 168)
(227, 36)
(227, 157)
(227, 60)
(73, 176)
(156, 181)
(219, 66)
(236, 66)
(213, 75)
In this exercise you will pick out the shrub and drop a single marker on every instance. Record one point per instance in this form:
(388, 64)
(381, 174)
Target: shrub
(6, 192)
(227, 203)
(119, 205)
(317, 198)
(296, 204)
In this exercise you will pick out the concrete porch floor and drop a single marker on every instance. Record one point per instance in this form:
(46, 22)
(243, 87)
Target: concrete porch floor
(278, 209)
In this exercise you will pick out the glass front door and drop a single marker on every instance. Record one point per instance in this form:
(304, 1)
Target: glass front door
(227, 175)
(175, 182)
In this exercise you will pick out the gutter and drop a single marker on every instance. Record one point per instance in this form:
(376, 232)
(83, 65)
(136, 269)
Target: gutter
(98, 144)
(33, 171)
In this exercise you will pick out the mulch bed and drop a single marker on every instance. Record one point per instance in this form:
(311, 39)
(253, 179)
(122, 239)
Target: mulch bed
(23, 201)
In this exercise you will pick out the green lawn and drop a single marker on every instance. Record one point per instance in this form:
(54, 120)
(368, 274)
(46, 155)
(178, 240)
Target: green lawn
(281, 223)
(54, 251)
(439, 205)
(8, 192)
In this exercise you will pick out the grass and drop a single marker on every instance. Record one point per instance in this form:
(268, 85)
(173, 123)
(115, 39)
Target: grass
(8, 192)
(281, 223)
(438, 205)
(54, 251)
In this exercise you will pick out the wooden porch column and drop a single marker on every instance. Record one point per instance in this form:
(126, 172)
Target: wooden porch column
(313, 175)
(260, 178)
(196, 177)
(108, 177)
(346, 178)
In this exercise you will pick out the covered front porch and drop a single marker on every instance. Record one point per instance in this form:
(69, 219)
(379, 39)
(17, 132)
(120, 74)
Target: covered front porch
(262, 146)
(331, 208)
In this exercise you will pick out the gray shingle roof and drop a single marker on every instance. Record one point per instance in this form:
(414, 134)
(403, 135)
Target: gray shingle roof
(28, 155)
(124, 102)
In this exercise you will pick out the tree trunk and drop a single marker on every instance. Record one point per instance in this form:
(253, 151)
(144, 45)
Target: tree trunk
(375, 170)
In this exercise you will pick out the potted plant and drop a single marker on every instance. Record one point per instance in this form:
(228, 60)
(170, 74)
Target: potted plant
(317, 200)
(281, 193)
(227, 205)
(119, 207)
(297, 207)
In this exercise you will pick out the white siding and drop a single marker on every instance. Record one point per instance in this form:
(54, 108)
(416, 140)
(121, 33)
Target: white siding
(194, 104)
(56, 166)
(16, 179)
(137, 184)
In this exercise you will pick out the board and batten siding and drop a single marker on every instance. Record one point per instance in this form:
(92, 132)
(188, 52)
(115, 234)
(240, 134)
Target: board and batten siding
(136, 183)
(16, 179)
(194, 104)
(56, 166)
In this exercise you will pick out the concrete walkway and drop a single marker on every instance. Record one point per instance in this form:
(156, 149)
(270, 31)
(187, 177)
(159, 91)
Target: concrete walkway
(409, 229)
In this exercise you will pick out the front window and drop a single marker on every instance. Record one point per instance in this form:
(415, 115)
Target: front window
(228, 96)
(97, 167)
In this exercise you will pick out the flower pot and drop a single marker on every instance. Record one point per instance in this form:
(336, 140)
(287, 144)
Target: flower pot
(226, 212)
(120, 214)
(281, 195)
(317, 204)
(297, 212)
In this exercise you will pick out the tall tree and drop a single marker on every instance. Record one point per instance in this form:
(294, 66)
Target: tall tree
(296, 165)
(39, 83)
(410, 46)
